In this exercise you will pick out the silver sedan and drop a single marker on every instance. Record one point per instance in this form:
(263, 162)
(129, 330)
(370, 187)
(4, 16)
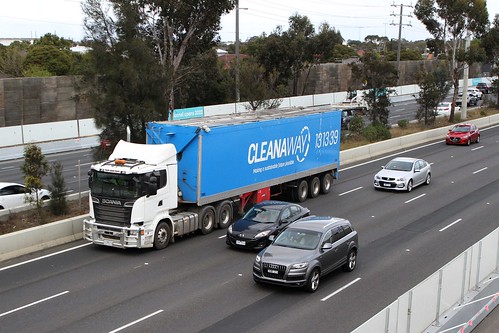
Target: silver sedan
(403, 174)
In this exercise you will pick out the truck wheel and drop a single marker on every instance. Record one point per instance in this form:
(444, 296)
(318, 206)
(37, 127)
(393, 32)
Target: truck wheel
(224, 214)
(207, 219)
(161, 236)
(314, 187)
(326, 182)
(301, 191)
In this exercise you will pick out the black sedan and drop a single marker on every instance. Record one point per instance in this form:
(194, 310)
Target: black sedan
(267, 218)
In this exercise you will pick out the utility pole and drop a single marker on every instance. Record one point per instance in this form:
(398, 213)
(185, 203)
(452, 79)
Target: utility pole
(464, 100)
(400, 24)
(238, 97)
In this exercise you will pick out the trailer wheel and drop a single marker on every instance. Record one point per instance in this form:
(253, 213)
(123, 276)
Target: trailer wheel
(326, 182)
(207, 219)
(300, 193)
(224, 214)
(314, 187)
(161, 236)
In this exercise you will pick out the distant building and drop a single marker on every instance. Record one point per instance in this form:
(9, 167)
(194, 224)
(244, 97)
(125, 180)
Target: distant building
(8, 41)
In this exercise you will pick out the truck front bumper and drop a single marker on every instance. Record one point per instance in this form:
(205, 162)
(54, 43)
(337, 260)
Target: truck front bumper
(107, 235)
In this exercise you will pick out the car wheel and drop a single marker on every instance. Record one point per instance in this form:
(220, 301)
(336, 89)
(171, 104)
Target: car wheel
(224, 214)
(409, 185)
(207, 219)
(351, 261)
(478, 139)
(326, 182)
(313, 280)
(161, 236)
(314, 187)
(468, 142)
(428, 179)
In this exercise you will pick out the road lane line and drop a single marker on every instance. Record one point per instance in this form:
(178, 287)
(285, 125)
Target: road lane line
(355, 189)
(419, 196)
(450, 225)
(135, 322)
(222, 236)
(8, 167)
(34, 303)
(482, 169)
(477, 148)
(339, 290)
(43, 257)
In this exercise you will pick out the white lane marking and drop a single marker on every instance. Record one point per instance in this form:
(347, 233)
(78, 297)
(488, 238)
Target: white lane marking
(450, 225)
(482, 169)
(43, 257)
(135, 322)
(34, 303)
(477, 148)
(222, 236)
(397, 116)
(89, 163)
(355, 189)
(339, 290)
(419, 196)
(8, 167)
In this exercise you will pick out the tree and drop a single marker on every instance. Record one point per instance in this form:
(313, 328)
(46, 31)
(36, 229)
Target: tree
(34, 167)
(169, 32)
(453, 18)
(58, 204)
(258, 89)
(490, 43)
(324, 43)
(12, 58)
(434, 87)
(376, 75)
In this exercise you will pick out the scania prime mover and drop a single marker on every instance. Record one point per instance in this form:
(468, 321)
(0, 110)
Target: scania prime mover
(195, 174)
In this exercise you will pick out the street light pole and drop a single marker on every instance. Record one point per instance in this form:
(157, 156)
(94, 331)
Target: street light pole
(238, 97)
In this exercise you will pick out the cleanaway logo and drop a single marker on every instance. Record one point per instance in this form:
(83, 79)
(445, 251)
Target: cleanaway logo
(297, 146)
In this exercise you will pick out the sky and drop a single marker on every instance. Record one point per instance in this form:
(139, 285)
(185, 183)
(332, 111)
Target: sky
(354, 20)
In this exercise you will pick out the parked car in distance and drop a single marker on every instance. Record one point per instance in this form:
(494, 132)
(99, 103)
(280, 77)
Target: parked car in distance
(403, 174)
(443, 108)
(484, 87)
(306, 251)
(266, 218)
(463, 134)
(475, 92)
(471, 100)
(15, 195)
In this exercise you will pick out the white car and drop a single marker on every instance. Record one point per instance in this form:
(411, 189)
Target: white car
(15, 195)
(443, 108)
(403, 174)
(475, 92)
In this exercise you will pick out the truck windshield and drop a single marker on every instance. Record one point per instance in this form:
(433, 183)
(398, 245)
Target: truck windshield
(116, 185)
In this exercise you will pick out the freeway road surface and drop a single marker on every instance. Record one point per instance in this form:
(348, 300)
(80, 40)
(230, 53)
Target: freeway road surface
(198, 284)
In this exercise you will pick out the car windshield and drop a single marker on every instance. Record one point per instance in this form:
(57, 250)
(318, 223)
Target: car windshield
(262, 214)
(461, 129)
(399, 166)
(298, 239)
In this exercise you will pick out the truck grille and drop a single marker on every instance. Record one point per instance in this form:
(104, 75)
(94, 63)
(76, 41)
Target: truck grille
(274, 271)
(113, 215)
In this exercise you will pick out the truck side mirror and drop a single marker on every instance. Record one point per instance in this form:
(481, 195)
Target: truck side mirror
(90, 179)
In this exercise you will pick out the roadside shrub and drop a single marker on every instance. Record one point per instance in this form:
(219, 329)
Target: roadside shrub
(58, 204)
(403, 123)
(377, 132)
(357, 124)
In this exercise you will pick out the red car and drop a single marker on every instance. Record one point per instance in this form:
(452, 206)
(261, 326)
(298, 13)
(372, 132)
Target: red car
(463, 134)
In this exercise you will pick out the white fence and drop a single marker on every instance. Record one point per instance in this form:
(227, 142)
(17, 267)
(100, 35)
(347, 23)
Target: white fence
(423, 305)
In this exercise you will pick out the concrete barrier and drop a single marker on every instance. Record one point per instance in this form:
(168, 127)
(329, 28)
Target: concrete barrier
(51, 234)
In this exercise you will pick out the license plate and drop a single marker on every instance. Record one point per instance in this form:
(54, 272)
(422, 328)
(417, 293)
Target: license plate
(240, 242)
(387, 185)
(273, 271)
(108, 243)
